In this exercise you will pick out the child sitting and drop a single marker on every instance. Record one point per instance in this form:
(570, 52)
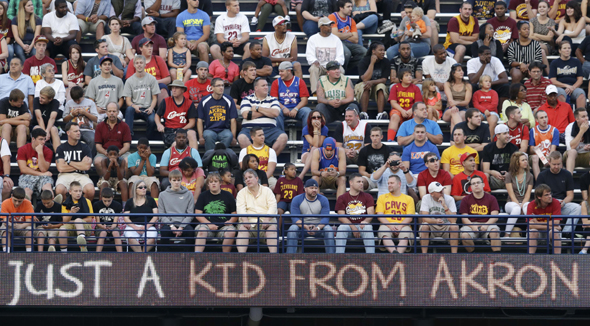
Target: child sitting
(227, 182)
(107, 225)
(486, 101)
(51, 223)
(286, 189)
(416, 25)
(432, 99)
(179, 58)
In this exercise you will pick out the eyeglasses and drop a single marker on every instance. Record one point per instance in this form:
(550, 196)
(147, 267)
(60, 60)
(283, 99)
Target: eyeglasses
(432, 160)
(476, 183)
(142, 187)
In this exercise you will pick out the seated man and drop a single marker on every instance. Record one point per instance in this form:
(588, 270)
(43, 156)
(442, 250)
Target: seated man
(154, 65)
(352, 206)
(263, 64)
(178, 113)
(312, 205)
(111, 131)
(451, 156)
(77, 226)
(328, 167)
(495, 160)
(200, 87)
(217, 118)
(402, 98)
(372, 157)
(176, 200)
(83, 111)
(577, 141)
(433, 173)
(479, 203)
(335, 93)
(399, 208)
(405, 133)
(477, 134)
(393, 166)
(374, 75)
(544, 207)
(244, 86)
(73, 160)
(15, 118)
(114, 173)
(292, 97)
(261, 110)
(462, 31)
(436, 203)
(47, 111)
(322, 48)
(7, 183)
(50, 223)
(544, 139)
(19, 225)
(196, 24)
(61, 28)
(352, 134)
(33, 161)
(266, 155)
(142, 165)
(173, 155)
(215, 201)
(462, 181)
(105, 88)
(141, 96)
(413, 154)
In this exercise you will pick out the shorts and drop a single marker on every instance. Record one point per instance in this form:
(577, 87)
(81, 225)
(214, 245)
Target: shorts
(406, 232)
(479, 235)
(121, 157)
(402, 119)
(238, 50)
(271, 134)
(113, 182)
(452, 47)
(52, 233)
(582, 160)
(130, 233)
(220, 233)
(496, 183)
(272, 182)
(328, 182)
(169, 136)
(65, 179)
(294, 3)
(440, 230)
(196, 50)
(34, 182)
(148, 180)
(359, 90)
(372, 184)
(13, 133)
(286, 207)
(109, 232)
(484, 118)
(574, 96)
(20, 232)
(86, 27)
(71, 228)
(255, 234)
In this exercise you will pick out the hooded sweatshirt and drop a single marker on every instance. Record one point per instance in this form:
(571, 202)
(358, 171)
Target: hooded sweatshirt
(176, 202)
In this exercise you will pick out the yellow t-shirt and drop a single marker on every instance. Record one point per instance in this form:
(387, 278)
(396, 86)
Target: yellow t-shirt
(452, 156)
(263, 155)
(388, 204)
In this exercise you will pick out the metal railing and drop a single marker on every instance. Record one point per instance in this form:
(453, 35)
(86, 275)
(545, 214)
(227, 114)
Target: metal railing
(271, 233)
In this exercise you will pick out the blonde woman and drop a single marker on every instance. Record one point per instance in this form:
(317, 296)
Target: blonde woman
(141, 227)
(26, 26)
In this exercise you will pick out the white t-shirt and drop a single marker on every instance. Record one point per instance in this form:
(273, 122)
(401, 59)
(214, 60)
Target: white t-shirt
(324, 49)
(436, 208)
(569, 138)
(232, 27)
(272, 155)
(52, 6)
(493, 69)
(5, 150)
(60, 27)
(438, 72)
(165, 7)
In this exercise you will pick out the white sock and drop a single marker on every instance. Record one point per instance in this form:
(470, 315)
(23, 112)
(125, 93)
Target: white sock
(29, 249)
(82, 235)
(64, 250)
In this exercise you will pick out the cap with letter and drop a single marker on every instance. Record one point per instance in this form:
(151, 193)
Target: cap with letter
(329, 144)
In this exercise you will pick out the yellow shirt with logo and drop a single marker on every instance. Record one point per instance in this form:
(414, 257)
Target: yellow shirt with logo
(389, 204)
(263, 156)
(464, 29)
(452, 156)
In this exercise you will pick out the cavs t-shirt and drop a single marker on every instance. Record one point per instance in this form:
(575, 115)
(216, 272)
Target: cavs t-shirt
(483, 206)
(504, 30)
(520, 7)
(405, 96)
(355, 206)
(288, 189)
(389, 204)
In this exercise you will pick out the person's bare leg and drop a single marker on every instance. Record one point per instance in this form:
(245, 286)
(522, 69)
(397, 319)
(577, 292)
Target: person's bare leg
(459, 53)
(100, 241)
(192, 138)
(100, 163)
(55, 140)
(134, 244)
(216, 52)
(341, 186)
(380, 101)
(467, 241)
(570, 164)
(173, 74)
(118, 242)
(495, 241)
(454, 238)
(124, 190)
(581, 102)
(556, 241)
(402, 245)
(40, 241)
(89, 191)
(300, 19)
(247, 51)
(280, 143)
(424, 237)
(243, 239)
(201, 240)
(388, 243)
(6, 132)
(516, 75)
(99, 31)
(154, 190)
(186, 77)
(203, 49)
(536, 169)
(533, 235)
(271, 238)
(365, 100)
(228, 241)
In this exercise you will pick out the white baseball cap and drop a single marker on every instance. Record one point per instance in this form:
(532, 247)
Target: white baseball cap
(435, 187)
(551, 89)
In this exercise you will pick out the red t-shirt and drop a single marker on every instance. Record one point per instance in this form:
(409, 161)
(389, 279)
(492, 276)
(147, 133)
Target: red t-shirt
(405, 96)
(462, 184)
(32, 67)
(28, 154)
(195, 91)
(230, 188)
(486, 101)
(117, 136)
(425, 178)
(560, 116)
(506, 30)
(552, 209)
(483, 206)
(288, 189)
(156, 67)
(353, 207)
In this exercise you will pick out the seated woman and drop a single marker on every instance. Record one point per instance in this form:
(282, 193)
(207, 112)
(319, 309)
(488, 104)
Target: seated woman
(312, 11)
(48, 73)
(26, 26)
(518, 99)
(486, 37)
(6, 30)
(117, 44)
(225, 68)
(250, 161)
(541, 29)
(572, 27)
(364, 13)
(141, 228)
(314, 133)
(523, 52)
(519, 184)
(73, 68)
(459, 94)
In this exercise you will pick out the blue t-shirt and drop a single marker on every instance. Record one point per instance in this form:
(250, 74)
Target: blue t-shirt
(193, 23)
(217, 114)
(166, 157)
(305, 131)
(407, 128)
(415, 155)
(134, 159)
(566, 72)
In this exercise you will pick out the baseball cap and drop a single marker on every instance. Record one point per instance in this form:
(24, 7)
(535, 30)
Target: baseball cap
(148, 20)
(435, 187)
(106, 58)
(551, 89)
(202, 64)
(329, 143)
(311, 183)
(324, 21)
(501, 128)
(467, 155)
(279, 20)
(332, 65)
(41, 38)
(285, 65)
(177, 83)
(144, 41)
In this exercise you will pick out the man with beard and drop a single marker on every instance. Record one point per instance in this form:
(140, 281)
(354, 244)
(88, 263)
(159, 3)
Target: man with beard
(352, 206)
(199, 87)
(404, 60)
(335, 93)
(281, 46)
(438, 68)
(173, 155)
(560, 113)
(291, 91)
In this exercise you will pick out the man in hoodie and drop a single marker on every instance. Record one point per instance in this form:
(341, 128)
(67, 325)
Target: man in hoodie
(176, 199)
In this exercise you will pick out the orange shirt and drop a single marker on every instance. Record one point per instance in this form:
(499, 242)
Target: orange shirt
(421, 24)
(560, 116)
(8, 208)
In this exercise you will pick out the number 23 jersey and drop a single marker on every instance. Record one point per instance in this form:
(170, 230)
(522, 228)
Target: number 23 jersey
(405, 96)
(288, 189)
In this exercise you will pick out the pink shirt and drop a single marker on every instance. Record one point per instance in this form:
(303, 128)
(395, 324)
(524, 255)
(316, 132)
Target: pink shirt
(219, 71)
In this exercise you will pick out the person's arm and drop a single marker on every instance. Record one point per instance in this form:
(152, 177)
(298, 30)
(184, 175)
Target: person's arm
(23, 119)
(474, 77)
(342, 36)
(554, 9)
(349, 92)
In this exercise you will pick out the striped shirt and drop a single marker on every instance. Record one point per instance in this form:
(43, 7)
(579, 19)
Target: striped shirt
(251, 101)
(525, 54)
(535, 95)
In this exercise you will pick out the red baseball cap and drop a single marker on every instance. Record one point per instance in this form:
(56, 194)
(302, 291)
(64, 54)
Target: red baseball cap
(467, 155)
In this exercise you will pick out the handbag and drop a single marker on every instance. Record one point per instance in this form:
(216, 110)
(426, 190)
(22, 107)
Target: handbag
(359, 17)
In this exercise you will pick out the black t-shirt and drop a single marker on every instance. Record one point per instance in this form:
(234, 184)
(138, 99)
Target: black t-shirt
(426, 5)
(114, 208)
(585, 181)
(46, 110)
(240, 89)
(339, 134)
(382, 69)
(204, 5)
(559, 183)
(260, 62)
(372, 158)
(71, 153)
(499, 158)
(481, 135)
(239, 175)
(146, 208)
(50, 219)
(222, 203)
(12, 111)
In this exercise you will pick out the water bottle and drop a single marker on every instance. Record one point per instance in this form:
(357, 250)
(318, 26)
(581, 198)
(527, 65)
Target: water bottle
(394, 31)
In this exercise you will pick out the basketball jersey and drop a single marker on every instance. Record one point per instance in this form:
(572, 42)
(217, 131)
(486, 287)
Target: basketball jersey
(263, 156)
(176, 157)
(544, 139)
(175, 116)
(464, 29)
(73, 76)
(289, 95)
(328, 163)
(280, 50)
(344, 25)
(354, 139)
(334, 91)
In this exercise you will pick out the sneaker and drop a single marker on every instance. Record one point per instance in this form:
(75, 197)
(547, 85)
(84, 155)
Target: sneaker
(258, 37)
(58, 199)
(51, 249)
(582, 253)
(254, 21)
(82, 243)
(385, 27)
(383, 116)
(364, 116)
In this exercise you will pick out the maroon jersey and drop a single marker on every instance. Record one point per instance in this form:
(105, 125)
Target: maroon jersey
(176, 157)
(229, 188)
(288, 189)
(176, 116)
(484, 206)
(355, 206)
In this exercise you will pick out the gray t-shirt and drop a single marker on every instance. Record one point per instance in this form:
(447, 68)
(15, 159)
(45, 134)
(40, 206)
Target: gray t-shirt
(104, 91)
(402, 26)
(141, 89)
(436, 208)
(86, 105)
(312, 209)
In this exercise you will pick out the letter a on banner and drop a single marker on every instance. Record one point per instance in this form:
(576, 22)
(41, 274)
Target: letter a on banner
(150, 274)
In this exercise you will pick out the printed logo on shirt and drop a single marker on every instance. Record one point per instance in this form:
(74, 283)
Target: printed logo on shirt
(475, 209)
(567, 70)
(355, 207)
(217, 113)
(503, 34)
(180, 115)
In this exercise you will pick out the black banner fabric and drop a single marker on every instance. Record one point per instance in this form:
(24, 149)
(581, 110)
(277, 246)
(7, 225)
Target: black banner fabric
(297, 280)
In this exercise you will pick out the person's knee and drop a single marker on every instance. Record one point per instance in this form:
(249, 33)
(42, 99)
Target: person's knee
(460, 49)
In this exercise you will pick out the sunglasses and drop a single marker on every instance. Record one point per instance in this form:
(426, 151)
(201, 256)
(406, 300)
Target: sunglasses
(432, 160)
(142, 187)
(316, 118)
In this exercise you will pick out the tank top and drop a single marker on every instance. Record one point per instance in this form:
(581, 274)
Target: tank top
(459, 96)
(544, 139)
(366, 7)
(263, 156)
(333, 91)
(279, 50)
(175, 116)
(464, 29)
(328, 163)
(74, 77)
(118, 50)
(179, 58)
(176, 157)
(578, 39)
(354, 139)
(289, 95)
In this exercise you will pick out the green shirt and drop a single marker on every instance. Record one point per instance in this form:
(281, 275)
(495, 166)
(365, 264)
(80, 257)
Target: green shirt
(13, 8)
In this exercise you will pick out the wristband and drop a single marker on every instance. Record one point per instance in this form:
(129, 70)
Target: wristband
(7, 175)
(407, 171)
